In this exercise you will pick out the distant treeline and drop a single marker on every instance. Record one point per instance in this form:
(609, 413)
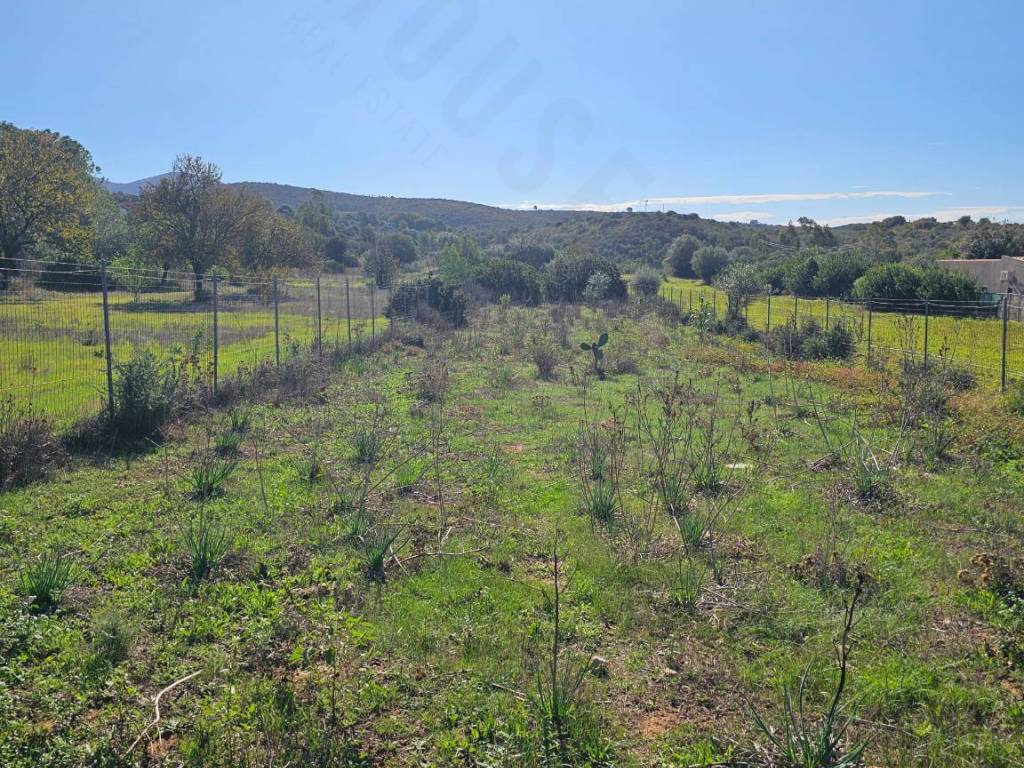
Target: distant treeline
(53, 209)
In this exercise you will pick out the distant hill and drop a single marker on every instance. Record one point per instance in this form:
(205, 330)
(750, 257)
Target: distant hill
(618, 236)
(131, 187)
(455, 214)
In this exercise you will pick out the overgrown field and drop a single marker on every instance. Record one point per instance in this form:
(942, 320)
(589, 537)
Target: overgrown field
(976, 343)
(467, 549)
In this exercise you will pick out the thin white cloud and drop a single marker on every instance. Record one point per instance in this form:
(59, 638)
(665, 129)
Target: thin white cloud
(701, 200)
(742, 215)
(996, 212)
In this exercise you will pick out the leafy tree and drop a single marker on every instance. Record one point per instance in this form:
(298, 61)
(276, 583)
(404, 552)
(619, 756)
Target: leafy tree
(536, 255)
(400, 246)
(938, 284)
(815, 234)
(647, 282)
(799, 275)
(888, 281)
(459, 258)
(790, 236)
(317, 215)
(837, 273)
(112, 235)
(271, 241)
(679, 256)
(708, 261)
(190, 218)
(567, 275)
(990, 241)
(46, 190)
(381, 265)
(879, 243)
(741, 282)
(335, 250)
(518, 280)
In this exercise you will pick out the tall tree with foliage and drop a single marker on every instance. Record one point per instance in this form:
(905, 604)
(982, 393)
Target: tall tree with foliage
(709, 261)
(269, 241)
(192, 219)
(679, 256)
(741, 282)
(46, 190)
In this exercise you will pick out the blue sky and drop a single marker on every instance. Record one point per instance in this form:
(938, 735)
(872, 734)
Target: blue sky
(737, 110)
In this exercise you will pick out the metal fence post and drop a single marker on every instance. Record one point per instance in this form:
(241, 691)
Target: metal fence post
(828, 310)
(869, 333)
(1006, 317)
(373, 315)
(319, 321)
(796, 308)
(348, 315)
(277, 327)
(216, 334)
(768, 322)
(927, 312)
(106, 339)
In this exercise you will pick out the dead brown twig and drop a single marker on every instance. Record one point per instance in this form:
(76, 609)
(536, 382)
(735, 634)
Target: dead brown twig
(156, 709)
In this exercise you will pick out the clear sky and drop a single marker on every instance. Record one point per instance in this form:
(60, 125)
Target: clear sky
(737, 110)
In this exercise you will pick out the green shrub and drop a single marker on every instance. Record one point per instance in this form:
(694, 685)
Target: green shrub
(28, 446)
(809, 341)
(506, 277)
(646, 282)
(145, 392)
(566, 277)
(410, 300)
(679, 256)
(45, 581)
(708, 261)
(545, 357)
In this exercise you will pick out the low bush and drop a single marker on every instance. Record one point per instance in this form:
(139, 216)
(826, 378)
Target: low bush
(646, 282)
(28, 446)
(545, 357)
(809, 341)
(566, 277)
(145, 393)
(441, 300)
(506, 277)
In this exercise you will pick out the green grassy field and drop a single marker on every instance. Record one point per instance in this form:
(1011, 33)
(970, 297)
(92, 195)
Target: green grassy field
(973, 343)
(296, 649)
(51, 344)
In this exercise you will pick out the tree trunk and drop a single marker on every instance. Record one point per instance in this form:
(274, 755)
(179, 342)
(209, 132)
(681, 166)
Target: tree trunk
(200, 292)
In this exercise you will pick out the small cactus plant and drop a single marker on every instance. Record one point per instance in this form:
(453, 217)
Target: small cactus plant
(595, 349)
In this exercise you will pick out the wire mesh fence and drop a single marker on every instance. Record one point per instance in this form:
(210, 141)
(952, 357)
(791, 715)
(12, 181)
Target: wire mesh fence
(59, 327)
(985, 338)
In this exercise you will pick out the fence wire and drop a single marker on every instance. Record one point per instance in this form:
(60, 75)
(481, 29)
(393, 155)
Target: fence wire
(53, 346)
(985, 338)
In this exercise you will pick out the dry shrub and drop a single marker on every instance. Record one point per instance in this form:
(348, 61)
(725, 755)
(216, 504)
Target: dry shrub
(29, 448)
